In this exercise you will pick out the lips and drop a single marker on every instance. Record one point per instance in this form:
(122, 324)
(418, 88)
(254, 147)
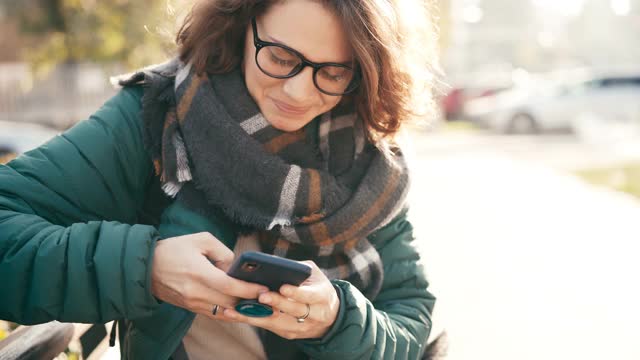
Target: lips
(288, 109)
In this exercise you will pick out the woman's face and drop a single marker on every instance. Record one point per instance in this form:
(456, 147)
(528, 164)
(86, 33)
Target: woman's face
(314, 31)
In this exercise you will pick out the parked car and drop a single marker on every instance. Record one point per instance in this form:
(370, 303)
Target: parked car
(453, 103)
(469, 86)
(544, 104)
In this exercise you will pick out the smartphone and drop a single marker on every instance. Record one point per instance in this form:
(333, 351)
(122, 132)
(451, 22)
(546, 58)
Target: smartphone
(269, 270)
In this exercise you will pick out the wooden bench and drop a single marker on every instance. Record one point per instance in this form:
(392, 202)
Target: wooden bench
(46, 341)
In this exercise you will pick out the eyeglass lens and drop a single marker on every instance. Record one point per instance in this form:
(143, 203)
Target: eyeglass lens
(280, 62)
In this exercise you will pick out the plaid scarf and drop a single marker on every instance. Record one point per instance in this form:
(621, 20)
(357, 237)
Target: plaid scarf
(316, 193)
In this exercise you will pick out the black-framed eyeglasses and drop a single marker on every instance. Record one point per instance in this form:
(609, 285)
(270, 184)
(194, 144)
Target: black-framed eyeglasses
(282, 62)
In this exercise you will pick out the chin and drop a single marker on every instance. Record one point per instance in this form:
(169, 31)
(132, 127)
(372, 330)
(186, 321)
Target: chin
(285, 124)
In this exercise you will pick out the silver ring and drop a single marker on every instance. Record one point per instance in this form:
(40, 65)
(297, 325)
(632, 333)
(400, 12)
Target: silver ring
(302, 318)
(215, 309)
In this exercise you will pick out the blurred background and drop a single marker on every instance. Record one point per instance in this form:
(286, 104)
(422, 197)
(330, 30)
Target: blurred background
(525, 192)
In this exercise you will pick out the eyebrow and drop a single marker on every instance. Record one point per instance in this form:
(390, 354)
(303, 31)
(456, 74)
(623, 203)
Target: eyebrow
(274, 40)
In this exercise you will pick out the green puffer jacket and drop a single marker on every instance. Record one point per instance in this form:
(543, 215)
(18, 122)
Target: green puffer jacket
(79, 219)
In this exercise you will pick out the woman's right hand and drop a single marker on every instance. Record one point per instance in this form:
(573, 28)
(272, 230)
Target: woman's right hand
(183, 274)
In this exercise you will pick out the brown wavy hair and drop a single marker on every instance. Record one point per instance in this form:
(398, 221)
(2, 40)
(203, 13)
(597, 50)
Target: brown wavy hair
(394, 41)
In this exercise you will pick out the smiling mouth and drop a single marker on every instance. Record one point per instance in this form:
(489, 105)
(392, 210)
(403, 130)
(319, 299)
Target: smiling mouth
(288, 109)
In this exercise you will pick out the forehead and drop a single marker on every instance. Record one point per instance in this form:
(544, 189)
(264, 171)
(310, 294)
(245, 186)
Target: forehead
(307, 26)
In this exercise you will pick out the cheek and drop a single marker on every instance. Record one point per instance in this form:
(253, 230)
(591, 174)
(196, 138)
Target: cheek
(257, 82)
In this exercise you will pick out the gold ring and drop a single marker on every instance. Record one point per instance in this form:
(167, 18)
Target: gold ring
(302, 318)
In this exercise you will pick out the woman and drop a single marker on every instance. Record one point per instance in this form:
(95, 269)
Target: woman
(272, 130)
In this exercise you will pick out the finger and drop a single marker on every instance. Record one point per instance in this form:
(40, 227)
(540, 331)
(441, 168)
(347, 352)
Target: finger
(225, 319)
(218, 315)
(313, 290)
(236, 287)
(199, 295)
(284, 325)
(306, 294)
(276, 322)
(219, 281)
(217, 252)
(280, 302)
(192, 292)
(213, 311)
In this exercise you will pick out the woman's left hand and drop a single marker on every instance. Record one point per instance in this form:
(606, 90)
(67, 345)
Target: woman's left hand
(291, 303)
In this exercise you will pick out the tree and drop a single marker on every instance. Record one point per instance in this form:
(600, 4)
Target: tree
(131, 32)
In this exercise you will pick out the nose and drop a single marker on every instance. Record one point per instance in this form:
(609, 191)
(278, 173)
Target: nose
(300, 87)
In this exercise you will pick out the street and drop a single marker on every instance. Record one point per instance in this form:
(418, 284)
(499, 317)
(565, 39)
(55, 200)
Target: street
(527, 261)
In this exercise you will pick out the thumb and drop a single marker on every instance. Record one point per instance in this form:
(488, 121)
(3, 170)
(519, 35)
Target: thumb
(217, 252)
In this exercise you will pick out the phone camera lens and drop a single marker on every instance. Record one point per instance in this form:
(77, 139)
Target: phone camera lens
(250, 266)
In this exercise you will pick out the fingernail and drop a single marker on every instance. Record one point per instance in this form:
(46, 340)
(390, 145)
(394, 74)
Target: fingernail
(265, 299)
(263, 290)
(287, 291)
(229, 314)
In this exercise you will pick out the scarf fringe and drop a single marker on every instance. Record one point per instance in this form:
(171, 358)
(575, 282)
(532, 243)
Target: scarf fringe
(172, 188)
(183, 172)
